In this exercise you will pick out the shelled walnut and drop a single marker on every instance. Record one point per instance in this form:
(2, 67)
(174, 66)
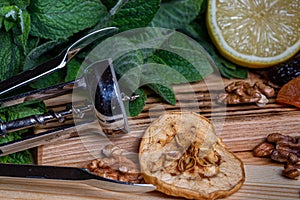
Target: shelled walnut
(284, 149)
(115, 166)
(241, 92)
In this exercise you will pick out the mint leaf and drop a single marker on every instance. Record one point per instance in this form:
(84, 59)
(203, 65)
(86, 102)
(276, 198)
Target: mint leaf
(227, 69)
(40, 54)
(177, 13)
(24, 23)
(20, 3)
(23, 157)
(10, 16)
(72, 70)
(18, 21)
(10, 56)
(134, 14)
(180, 70)
(128, 69)
(136, 106)
(165, 91)
(54, 19)
(193, 52)
(4, 3)
(32, 43)
(22, 110)
(25, 110)
(109, 3)
(49, 80)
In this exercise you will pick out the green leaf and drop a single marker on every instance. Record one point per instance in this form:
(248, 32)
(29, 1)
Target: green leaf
(72, 70)
(177, 13)
(4, 3)
(226, 68)
(178, 50)
(20, 3)
(32, 43)
(8, 25)
(23, 157)
(22, 110)
(165, 91)
(203, 6)
(40, 54)
(24, 23)
(128, 69)
(193, 52)
(179, 70)
(10, 14)
(54, 19)
(109, 3)
(10, 56)
(136, 106)
(18, 21)
(134, 14)
(49, 80)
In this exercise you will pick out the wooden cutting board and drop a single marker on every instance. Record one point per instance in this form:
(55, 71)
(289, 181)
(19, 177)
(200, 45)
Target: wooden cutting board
(241, 128)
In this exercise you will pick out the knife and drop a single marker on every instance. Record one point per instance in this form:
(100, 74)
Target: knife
(81, 175)
(54, 64)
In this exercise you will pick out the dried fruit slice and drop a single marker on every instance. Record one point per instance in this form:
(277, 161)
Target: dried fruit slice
(255, 34)
(290, 93)
(181, 154)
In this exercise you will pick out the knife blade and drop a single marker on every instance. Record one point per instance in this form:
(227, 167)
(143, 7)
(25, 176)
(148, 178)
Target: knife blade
(82, 175)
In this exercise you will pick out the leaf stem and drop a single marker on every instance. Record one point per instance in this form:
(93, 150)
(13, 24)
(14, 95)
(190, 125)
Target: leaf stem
(118, 5)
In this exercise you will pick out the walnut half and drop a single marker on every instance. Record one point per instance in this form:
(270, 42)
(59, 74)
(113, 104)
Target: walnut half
(115, 166)
(241, 92)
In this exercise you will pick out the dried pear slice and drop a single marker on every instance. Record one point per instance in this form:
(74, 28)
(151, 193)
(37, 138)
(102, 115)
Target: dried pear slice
(181, 154)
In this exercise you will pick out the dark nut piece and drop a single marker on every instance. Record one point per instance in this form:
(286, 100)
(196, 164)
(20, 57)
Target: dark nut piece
(93, 165)
(291, 171)
(265, 89)
(264, 149)
(288, 146)
(277, 137)
(285, 156)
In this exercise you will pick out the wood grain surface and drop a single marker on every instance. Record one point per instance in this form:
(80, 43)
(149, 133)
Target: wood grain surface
(241, 128)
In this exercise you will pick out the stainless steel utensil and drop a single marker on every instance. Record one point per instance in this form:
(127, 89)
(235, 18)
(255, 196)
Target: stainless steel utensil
(105, 102)
(106, 99)
(80, 175)
(103, 98)
(54, 64)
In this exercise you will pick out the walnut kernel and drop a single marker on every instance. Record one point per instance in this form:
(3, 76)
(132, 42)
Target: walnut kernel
(283, 149)
(264, 149)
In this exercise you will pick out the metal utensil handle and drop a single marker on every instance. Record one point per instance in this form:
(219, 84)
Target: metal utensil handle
(34, 120)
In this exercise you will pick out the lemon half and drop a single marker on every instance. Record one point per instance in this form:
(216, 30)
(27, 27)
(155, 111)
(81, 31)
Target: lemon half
(255, 33)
